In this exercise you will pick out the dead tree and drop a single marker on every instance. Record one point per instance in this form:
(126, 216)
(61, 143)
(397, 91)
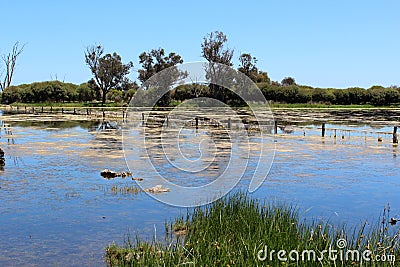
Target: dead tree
(9, 61)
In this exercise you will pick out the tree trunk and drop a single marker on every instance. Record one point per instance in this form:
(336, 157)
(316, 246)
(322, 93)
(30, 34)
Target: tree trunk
(103, 101)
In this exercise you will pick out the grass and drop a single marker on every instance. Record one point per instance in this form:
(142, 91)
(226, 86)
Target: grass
(67, 104)
(232, 231)
(125, 190)
(175, 103)
(308, 105)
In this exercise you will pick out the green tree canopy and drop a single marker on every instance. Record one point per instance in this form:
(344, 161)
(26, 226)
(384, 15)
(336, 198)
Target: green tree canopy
(108, 70)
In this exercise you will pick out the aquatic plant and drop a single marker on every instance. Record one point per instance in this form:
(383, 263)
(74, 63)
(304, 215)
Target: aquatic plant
(240, 231)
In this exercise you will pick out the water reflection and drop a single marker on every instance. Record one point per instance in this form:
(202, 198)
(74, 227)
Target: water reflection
(56, 208)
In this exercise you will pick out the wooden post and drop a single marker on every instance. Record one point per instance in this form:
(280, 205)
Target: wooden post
(323, 129)
(335, 134)
(229, 123)
(33, 109)
(74, 111)
(104, 114)
(197, 122)
(275, 127)
(42, 109)
(51, 109)
(123, 115)
(167, 120)
(87, 111)
(395, 140)
(62, 110)
(25, 109)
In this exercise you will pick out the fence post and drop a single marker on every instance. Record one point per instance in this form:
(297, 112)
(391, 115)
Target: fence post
(395, 140)
(323, 129)
(275, 127)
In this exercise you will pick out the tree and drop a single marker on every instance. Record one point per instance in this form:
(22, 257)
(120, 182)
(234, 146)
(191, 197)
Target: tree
(288, 81)
(215, 50)
(248, 66)
(9, 61)
(154, 62)
(108, 70)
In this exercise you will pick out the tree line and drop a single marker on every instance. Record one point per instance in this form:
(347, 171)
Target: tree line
(110, 80)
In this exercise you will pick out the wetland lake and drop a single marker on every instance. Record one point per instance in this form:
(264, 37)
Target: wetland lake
(56, 209)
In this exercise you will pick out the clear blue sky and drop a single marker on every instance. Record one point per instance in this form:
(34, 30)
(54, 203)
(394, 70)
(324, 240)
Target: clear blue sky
(319, 43)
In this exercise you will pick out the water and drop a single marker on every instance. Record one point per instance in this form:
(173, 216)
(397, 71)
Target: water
(57, 210)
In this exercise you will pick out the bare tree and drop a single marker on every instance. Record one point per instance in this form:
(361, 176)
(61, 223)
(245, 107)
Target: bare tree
(9, 61)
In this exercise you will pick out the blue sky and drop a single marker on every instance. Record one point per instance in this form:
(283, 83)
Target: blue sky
(319, 43)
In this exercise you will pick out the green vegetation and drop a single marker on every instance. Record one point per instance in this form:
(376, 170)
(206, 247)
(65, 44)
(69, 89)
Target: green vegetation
(232, 231)
(56, 93)
(59, 93)
(110, 82)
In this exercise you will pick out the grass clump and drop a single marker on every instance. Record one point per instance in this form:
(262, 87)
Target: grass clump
(232, 231)
(125, 190)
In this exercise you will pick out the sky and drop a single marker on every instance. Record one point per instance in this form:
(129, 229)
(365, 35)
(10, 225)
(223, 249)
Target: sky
(342, 43)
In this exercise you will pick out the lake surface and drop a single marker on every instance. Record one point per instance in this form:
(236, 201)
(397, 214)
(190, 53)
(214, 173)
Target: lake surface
(56, 209)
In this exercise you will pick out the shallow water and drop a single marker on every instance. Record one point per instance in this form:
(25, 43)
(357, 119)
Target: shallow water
(57, 210)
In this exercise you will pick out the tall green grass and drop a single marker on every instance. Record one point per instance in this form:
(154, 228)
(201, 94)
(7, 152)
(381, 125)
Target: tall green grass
(232, 231)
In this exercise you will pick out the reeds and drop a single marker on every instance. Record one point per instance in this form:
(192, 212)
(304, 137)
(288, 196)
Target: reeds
(232, 231)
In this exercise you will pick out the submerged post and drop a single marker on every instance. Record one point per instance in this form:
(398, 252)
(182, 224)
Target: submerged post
(197, 122)
(275, 127)
(395, 140)
(323, 129)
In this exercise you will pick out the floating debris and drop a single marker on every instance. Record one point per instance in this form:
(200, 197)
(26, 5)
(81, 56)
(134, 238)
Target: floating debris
(108, 174)
(137, 179)
(157, 189)
(393, 221)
